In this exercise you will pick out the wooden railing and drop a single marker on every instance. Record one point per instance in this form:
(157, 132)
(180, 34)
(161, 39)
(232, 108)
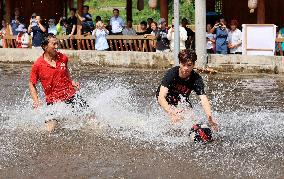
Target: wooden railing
(116, 42)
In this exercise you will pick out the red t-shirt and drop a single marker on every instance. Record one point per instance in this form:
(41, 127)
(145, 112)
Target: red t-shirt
(56, 82)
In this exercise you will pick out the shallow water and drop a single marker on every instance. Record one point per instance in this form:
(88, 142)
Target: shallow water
(131, 137)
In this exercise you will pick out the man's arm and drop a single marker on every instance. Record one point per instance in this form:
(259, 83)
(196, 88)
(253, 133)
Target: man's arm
(162, 98)
(207, 108)
(33, 92)
(74, 83)
(173, 113)
(73, 30)
(82, 19)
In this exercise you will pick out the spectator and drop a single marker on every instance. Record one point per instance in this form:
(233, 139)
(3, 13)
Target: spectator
(3, 32)
(221, 36)
(117, 23)
(190, 41)
(72, 23)
(19, 31)
(72, 26)
(210, 39)
(128, 30)
(62, 26)
(143, 27)
(87, 20)
(25, 39)
(22, 37)
(38, 31)
(108, 27)
(182, 34)
(52, 27)
(281, 35)
(235, 38)
(161, 35)
(98, 18)
(101, 32)
(15, 21)
(149, 21)
(154, 28)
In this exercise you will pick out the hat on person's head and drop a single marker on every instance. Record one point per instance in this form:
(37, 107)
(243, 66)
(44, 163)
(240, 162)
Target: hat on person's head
(161, 21)
(34, 14)
(21, 28)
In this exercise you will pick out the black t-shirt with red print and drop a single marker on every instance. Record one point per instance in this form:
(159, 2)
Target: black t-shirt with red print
(178, 86)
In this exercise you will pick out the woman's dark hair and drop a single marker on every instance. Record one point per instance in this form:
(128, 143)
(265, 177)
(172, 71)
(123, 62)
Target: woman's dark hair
(143, 23)
(98, 18)
(115, 9)
(187, 55)
(86, 7)
(45, 40)
(73, 9)
(154, 23)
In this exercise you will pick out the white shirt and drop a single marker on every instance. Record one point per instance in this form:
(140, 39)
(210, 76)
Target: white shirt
(117, 24)
(101, 41)
(183, 38)
(52, 29)
(209, 37)
(234, 38)
(128, 31)
(25, 39)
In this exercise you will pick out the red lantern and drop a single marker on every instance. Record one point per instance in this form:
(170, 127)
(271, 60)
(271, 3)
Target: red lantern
(153, 4)
(252, 5)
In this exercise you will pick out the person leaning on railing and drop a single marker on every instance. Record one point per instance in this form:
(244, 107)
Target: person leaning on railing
(154, 28)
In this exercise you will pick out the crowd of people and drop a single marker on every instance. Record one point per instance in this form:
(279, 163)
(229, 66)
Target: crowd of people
(115, 25)
(221, 39)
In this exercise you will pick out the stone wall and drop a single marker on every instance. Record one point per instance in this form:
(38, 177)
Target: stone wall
(245, 63)
(225, 63)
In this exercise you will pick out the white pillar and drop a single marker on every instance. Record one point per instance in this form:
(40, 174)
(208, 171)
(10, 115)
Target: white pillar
(177, 35)
(200, 32)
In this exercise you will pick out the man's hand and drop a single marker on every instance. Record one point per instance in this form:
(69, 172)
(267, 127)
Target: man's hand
(213, 124)
(36, 104)
(76, 85)
(175, 114)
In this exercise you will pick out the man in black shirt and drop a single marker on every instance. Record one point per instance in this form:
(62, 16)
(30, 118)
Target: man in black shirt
(180, 81)
(190, 42)
(71, 29)
(163, 44)
(144, 30)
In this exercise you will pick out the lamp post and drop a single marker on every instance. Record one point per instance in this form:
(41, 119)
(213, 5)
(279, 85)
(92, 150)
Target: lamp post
(176, 29)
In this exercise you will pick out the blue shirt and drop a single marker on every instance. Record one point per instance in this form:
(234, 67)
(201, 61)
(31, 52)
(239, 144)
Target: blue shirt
(221, 39)
(88, 17)
(37, 36)
(14, 26)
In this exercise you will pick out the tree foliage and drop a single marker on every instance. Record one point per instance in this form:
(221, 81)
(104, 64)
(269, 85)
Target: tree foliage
(103, 8)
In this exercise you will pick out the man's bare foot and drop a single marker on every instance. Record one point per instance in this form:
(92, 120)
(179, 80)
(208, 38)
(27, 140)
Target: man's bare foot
(51, 125)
